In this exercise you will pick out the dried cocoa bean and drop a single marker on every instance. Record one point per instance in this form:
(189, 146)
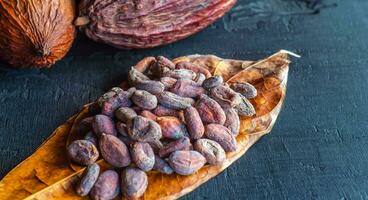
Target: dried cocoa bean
(153, 87)
(210, 111)
(180, 144)
(149, 115)
(186, 162)
(221, 135)
(131, 91)
(103, 124)
(163, 111)
(133, 182)
(173, 101)
(181, 74)
(212, 82)
(82, 152)
(171, 127)
(106, 186)
(156, 146)
(143, 156)
(168, 82)
(86, 124)
(114, 151)
(161, 66)
(144, 130)
(162, 166)
(232, 121)
(246, 89)
(127, 140)
(136, 76)
(90, 136)
(211, 150)
(245, 107)
(88, 179)
(187, 88)
(225, 96)
(122, 129)
(193, 67)
(145, 64)
(124, 114)
(194, 123)
(200, 78)
(114, 99)
(144, 99)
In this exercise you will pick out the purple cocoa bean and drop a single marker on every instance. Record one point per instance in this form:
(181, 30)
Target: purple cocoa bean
(134, 182)
(194, 123)
(187, 88)
(144, 99)
(171, 127)
(122, 129)
(106, 186)
(193, 67)
(168, 82)
(103, 124)
(210, 111)
(173, 101)
(82, 152)
(88, 179)
(221, 135)
(246, 89)
(211, 150)
(162, 166)
(125, 113)
(114, 151)
(180, 144)
(144, 130)
(186, 162)
(143, 156)
(225, 96)
(232, 121)
(153, 87)
(163, 111)
(212, 82)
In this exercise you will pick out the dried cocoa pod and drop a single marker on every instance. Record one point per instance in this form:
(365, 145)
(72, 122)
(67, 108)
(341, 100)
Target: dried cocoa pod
(171, 127)
(245, 107)
(82, 152)
(144, 99)
(181, 74)
(134, 182)
(90, 136)
(187, 88)
(186, 162)
(168, 82)
(173, 101)
(106, 186)
(148, 114)
(114, 151)
(193, 67)
(153, 87)
(125, 113)
(194, 123)
(114, 99)
(221, 135)
(200, 78)
(161, 66)
(143, 156)
(136, 76)
(88, 179)
(232, 121)
(210, 111)
(144, 130)
(177, 145)
(225, 96)
(162, 166)
(103, 124)
(122, 129)
(211, 150)
(212, 82)
(245, 89)
(163, 111)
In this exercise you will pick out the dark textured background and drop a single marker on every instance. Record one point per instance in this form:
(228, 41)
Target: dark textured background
(319, 146)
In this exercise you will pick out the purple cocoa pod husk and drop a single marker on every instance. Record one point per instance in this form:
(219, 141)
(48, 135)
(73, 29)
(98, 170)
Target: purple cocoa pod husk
(88, 179)
(232, 121)
(148, 114)
(82, 152)
(180, 144)
(174, 101)
(144, 99)
(144, 130)
(245, 89)
(153, 87)
(193, 67)
(143, 156)
(187, 88)
(225, 96)
(212, 82)
(210, 111)
(211, 150)
(122, 129)
(221, 135)
(181, 74)
(171, 127)
(125, 113)
(186, 162)
(162, 166)
(103, 124)
(163, 111)
(194, 123)
(134, 182)
(114, 151)
(106, 186)
(168, 82)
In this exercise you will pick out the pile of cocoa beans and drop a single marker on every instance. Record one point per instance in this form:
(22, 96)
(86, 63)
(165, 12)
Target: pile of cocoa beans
(174, 118)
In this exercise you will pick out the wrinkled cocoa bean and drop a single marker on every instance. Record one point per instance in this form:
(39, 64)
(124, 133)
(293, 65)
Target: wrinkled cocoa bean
(173, 101)
(193, 67)
(86, 124)
(225, 96)
(163, 111)
(156, 146)
(221, 135)
(127, 140)
(144, 99)
(162, 166)
(212, 82)
(136, 76)
(245, 89)
(149, 115)
(186, 162)
(145, 64)
(88, 179)
(211, 150)
(106, 186)
(168, 82)
(122, 129)
(232, 121)
(245, 107)
(161, 66)
(131, 91)
(143, 156)
(181, 74)
(133, 182)
(187, 88)
(153, 87)
(180, 144)
(124, 114)
(200, 78)
(194, 123)
(144, 130)
(114, 99)
(114, 151)
(210, 111)
(171, 127)
(90, 136)
(103, 124)
(82, 152)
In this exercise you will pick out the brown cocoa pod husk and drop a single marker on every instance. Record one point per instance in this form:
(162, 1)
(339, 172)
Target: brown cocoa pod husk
(245, 107)
(221, 135)
(134, 182)
(163, 111)
(88, 179)
(148, 114)
(174, 101)
(194, 123)
(181, 74)
(144, 99)
(232, 121)
(186, 162)
(210, 111)
(193, 67)
(162, 166)
(200, 78)
(106, 186)
(122, 129)
(225, 96)
(180, 144)
(187, 88)
(153, 87)
(212, 82)
(125, 113)
(211, 150)
(245, 89)
(168, 82)
(136, 76)
(103, 124)
(90, 136)
(144, 130)
(82, 152)
(143, 156)
(171, 127)
(114, 151)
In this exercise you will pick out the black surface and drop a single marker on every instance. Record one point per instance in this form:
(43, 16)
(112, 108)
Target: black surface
(318, 148)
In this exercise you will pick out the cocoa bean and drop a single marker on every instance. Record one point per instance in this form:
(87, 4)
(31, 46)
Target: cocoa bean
(133, 182)
(186, 162)
(114, 151)
(136, 76)
(168, 82)
(114, 99)
(103, 124)
(127, 140)
(156, 145)
(210, 111)
(145, 64)
(161, 65)
(187, 88)
(212, 82)
(144, 99)
(232, 121)
(162, 166)
(193, 67)
(88, 179)
(163, 111)
(181, 74)
(225, 96)
(149, 115)
(180, 144)
(153, 87)
(173, 101)
(86, 124)
(200, 78)
(221, 135)
(90, 136)
(131, 91)
(106, 186)
(211, 150)
(144, 130)
(143, 156)
(82, 152)
(122, 129)
(245, 107)
(245, 89)
(125, 113)
(194, 123)
(171, 127)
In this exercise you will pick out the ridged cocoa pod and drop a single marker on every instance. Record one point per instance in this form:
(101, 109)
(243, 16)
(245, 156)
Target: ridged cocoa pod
(122, 129)
(225, 96)
(114, 151)
(103, 124)
(88, 179)
(106, 186)
(177, 145)
(163, 111)
(153, 87)
(143, 24)
(173, 101)
(245, 108)
(114, 99)
(171, 127)
(134, 182)
(144, 99)
(168, 82)
(210, 111)
(232, 121)
(181, 74)
(211, 150)
(186, 162)
(143, 156)
(246, 89)
(187, 88)
(82, 152)
(36, 33)
(194, 123)
(148, 114)
(221, 135)
(136, 76)
(195, 68)
(200, 78)
(212, 82)
(144, 130)
(90, 136)
(162, 166)
(125, 113)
